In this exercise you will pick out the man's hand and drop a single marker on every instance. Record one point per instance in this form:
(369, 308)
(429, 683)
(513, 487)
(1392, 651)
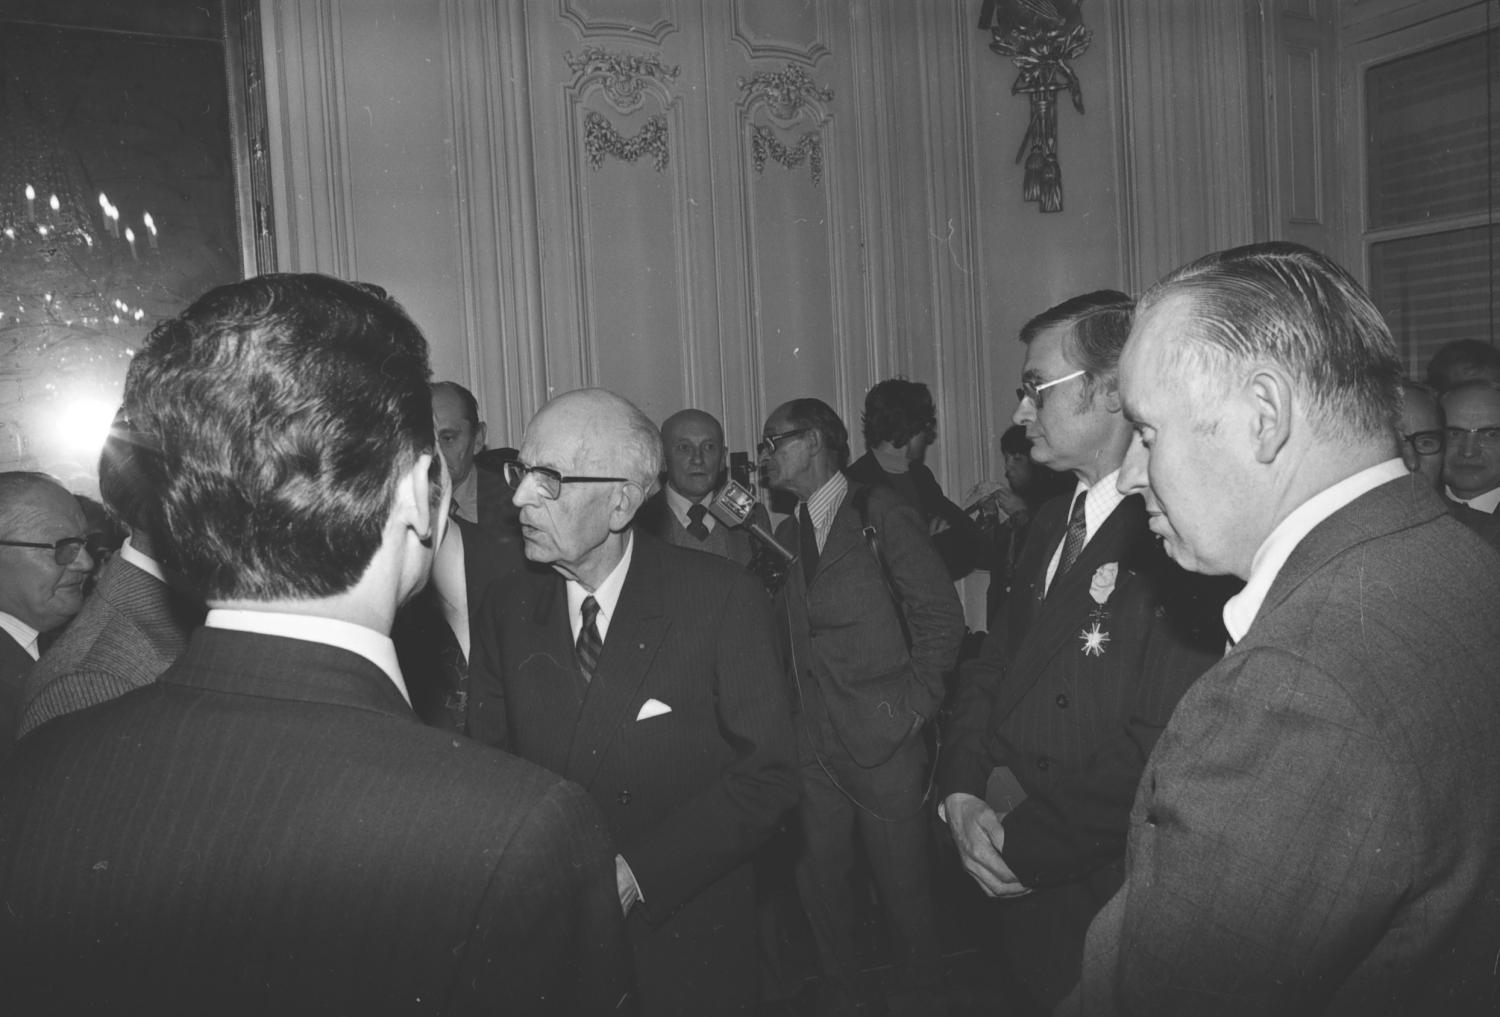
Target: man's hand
(977, 831)
(625, 883)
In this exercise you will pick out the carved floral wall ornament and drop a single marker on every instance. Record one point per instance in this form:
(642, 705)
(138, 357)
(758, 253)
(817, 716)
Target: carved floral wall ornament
(787, 96)
(1040, 37)
(600, 139)
(624, 79)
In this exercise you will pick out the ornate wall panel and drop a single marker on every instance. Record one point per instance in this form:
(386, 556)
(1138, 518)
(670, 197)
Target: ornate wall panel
(780, 29)
(637, 21)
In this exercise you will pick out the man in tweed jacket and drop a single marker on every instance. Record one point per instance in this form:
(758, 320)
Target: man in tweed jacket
(1318, 828)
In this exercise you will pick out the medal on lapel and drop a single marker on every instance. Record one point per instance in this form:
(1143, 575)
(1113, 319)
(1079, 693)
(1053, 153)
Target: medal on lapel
(1095, 638)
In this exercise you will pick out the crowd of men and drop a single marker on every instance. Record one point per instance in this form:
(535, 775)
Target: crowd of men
(364, 717)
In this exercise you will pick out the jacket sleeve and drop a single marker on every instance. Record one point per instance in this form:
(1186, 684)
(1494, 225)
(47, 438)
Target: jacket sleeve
(934, 616)
(484, 718)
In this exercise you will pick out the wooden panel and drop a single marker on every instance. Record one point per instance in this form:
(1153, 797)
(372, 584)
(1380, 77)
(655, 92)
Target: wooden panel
(632, 20)
(1304, 105)
(781, 29)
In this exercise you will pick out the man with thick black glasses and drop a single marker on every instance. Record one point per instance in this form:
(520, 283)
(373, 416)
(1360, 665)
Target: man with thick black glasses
(648, 674)
(44, 560)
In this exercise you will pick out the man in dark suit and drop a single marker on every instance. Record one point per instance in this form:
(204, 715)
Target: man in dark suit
(871, 629)
(133, 626)
(648, 674)
(694, 452)
(432, 631)
(44, 562)
(1100, 637)
(1318, 829)
(268, 828)
(900, 423)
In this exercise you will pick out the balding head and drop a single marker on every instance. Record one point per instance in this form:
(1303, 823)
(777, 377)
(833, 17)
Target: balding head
(34, 586)
(588, 433)
(693, 442)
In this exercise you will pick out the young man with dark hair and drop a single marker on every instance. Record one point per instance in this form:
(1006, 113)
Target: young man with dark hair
(268, 828)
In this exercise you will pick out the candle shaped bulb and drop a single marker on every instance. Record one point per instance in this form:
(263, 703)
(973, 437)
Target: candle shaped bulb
(150, 224)
(55, 205)
(30, 203)
(114, 221)
(130, 239)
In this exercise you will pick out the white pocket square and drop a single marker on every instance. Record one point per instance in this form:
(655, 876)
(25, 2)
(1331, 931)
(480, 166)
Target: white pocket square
(652, 708)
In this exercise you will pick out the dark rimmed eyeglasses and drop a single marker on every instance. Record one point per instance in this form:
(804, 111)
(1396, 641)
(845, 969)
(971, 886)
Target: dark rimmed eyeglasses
(770, 442)
(64, 551)
(548, 481)
(1031, 390)
(1425, 443)
(1484, 437)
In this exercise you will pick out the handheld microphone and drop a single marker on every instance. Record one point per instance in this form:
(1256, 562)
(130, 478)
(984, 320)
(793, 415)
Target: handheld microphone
(732, 507)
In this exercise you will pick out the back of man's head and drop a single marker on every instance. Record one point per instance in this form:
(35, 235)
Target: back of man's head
(280, 412)
(897, 410)
(1285, 304)
(1098, 324)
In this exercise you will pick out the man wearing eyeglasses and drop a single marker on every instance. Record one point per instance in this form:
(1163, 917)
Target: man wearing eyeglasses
(1099, 638)
(1421, 432)
(134, 624)
(649, 675)
(43, 564)
(871, 634)
(1471, 463)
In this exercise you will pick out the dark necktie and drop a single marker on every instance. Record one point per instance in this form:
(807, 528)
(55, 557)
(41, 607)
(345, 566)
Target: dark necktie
(1078, 532)
(589, 644)
(695, 526)
(809, 540)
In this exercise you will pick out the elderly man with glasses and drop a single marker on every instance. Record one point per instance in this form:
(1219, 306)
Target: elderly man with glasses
(44, 560)
(648, 674)
(1099, 638)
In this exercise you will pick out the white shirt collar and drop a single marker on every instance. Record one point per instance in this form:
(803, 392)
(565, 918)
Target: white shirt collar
(606, 596)
(1241, 609)
(824, 505)
(22, 633)
(679, 503)
(376, 647)
(1103, 498)
(1485, 502)
(142, 561)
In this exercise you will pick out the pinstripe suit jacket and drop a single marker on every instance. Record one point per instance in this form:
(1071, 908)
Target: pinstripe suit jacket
(1318, 830)
(1074, 724)
(15, 665)
(130, 630)
(267, 829)
(689, 794)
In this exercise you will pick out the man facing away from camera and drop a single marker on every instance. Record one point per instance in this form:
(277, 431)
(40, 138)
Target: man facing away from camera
(268, 828)
(1318, 828)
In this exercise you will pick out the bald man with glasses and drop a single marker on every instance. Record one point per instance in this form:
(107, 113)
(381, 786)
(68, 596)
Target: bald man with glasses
(648, 674)
(44, 561)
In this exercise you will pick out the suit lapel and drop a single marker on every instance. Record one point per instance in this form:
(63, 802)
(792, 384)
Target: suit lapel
(1058, 620)
(635, 635)
(844, 536)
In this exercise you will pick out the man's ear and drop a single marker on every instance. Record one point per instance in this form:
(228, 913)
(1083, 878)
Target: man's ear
(480, 433)
(1271, 396)
(421, 501)
(1109, 394)
(627, 501)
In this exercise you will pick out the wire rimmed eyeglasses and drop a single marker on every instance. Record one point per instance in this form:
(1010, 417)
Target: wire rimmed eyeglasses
(1031, 390)
(769, 443)
(549, 482)
(64, 551)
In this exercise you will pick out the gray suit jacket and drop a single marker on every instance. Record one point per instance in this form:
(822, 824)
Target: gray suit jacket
(657, 518)
(130, 630)
(1318, 829)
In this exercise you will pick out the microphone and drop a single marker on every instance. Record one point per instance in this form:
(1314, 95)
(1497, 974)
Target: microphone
(732, 507)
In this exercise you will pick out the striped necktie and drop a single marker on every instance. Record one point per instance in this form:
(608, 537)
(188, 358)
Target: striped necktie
(589, 644)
